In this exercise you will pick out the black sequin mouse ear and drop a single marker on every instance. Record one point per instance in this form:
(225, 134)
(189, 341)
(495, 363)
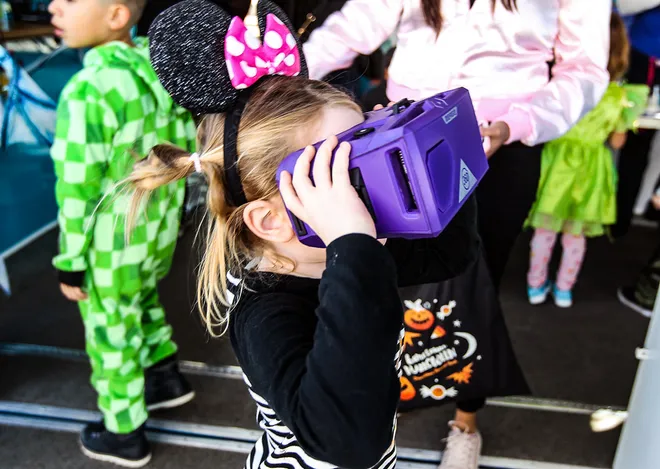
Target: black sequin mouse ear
(185, 44)
(204, 57)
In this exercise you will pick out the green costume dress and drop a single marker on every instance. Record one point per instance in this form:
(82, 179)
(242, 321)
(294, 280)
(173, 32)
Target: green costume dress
(577, 189)
(113, 110)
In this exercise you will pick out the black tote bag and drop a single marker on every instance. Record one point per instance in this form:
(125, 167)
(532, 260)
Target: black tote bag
(456, 344)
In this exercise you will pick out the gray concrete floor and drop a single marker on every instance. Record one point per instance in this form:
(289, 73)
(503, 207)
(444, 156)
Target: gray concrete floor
(585, 354)
(57, 450)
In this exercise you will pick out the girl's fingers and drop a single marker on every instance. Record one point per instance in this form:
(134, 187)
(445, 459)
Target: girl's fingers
(490, 132)
(321, 170)
(300, 180)
(289, 195)
(340, 166)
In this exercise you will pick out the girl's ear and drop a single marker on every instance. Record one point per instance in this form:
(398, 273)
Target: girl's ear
(268, 220)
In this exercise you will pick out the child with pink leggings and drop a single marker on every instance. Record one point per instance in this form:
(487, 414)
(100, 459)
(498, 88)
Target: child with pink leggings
(576, 195)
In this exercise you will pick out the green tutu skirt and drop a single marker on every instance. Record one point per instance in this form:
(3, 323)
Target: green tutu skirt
(577, 190)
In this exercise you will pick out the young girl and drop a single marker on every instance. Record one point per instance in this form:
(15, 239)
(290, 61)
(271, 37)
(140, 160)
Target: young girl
(577, 190)
(316, 331)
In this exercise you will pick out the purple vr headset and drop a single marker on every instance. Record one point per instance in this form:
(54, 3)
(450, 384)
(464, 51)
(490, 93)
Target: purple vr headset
(413, 165)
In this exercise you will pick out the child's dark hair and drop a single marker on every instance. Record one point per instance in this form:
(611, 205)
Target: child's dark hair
(278, 119)
(433, 11)
(619, 48)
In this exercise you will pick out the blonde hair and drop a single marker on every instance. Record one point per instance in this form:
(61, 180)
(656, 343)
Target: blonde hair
(617, 65)
(276, 119)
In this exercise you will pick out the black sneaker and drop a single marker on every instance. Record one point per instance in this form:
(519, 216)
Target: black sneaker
(128, 450)
(165, 387)
(628, 297)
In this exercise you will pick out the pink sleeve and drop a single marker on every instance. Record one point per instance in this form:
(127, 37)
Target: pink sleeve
(579, 76)
(360, 27)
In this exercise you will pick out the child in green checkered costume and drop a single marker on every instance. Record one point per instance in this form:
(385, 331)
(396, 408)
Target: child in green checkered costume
(111, 112)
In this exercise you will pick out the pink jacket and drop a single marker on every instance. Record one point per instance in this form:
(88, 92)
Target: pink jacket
(501, 57)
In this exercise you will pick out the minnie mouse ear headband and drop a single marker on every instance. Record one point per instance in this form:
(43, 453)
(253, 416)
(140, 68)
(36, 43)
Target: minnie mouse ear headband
(208, 61)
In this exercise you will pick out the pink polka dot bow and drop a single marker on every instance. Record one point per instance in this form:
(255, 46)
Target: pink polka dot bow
(248, 59)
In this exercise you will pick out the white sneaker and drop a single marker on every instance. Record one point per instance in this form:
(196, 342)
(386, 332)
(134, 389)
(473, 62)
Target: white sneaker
(463, 449)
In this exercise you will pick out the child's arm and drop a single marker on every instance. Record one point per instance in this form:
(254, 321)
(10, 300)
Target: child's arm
(635, 100)
(579, 75)
(447, 256)
(360, 27)
(618, 140)
(83, 145)
(333, 383)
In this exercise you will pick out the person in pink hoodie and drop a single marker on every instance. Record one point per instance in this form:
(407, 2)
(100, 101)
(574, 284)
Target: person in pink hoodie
(533, 69)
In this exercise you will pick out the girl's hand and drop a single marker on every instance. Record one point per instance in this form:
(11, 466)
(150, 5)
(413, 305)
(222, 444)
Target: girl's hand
(378, 107)
(497, 133)
(72, 293)
(330, 205)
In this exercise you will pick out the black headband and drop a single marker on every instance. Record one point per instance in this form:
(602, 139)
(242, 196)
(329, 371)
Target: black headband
(232, 178)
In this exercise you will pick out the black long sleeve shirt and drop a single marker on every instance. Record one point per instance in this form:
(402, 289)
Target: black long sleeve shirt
(320, 352)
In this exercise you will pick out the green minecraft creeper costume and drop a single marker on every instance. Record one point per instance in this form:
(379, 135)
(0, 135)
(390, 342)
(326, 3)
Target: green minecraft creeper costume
(113, 110)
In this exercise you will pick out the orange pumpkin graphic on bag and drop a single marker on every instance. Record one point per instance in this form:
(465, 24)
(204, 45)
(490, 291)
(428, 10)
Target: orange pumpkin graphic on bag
(417, 317)
(407, 390)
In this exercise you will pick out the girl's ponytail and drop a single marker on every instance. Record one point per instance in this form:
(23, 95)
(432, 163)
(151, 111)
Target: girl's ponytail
(212, 293)
(164, 164)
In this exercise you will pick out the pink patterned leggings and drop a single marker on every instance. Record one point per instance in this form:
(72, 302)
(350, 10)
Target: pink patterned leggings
(571, 260)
